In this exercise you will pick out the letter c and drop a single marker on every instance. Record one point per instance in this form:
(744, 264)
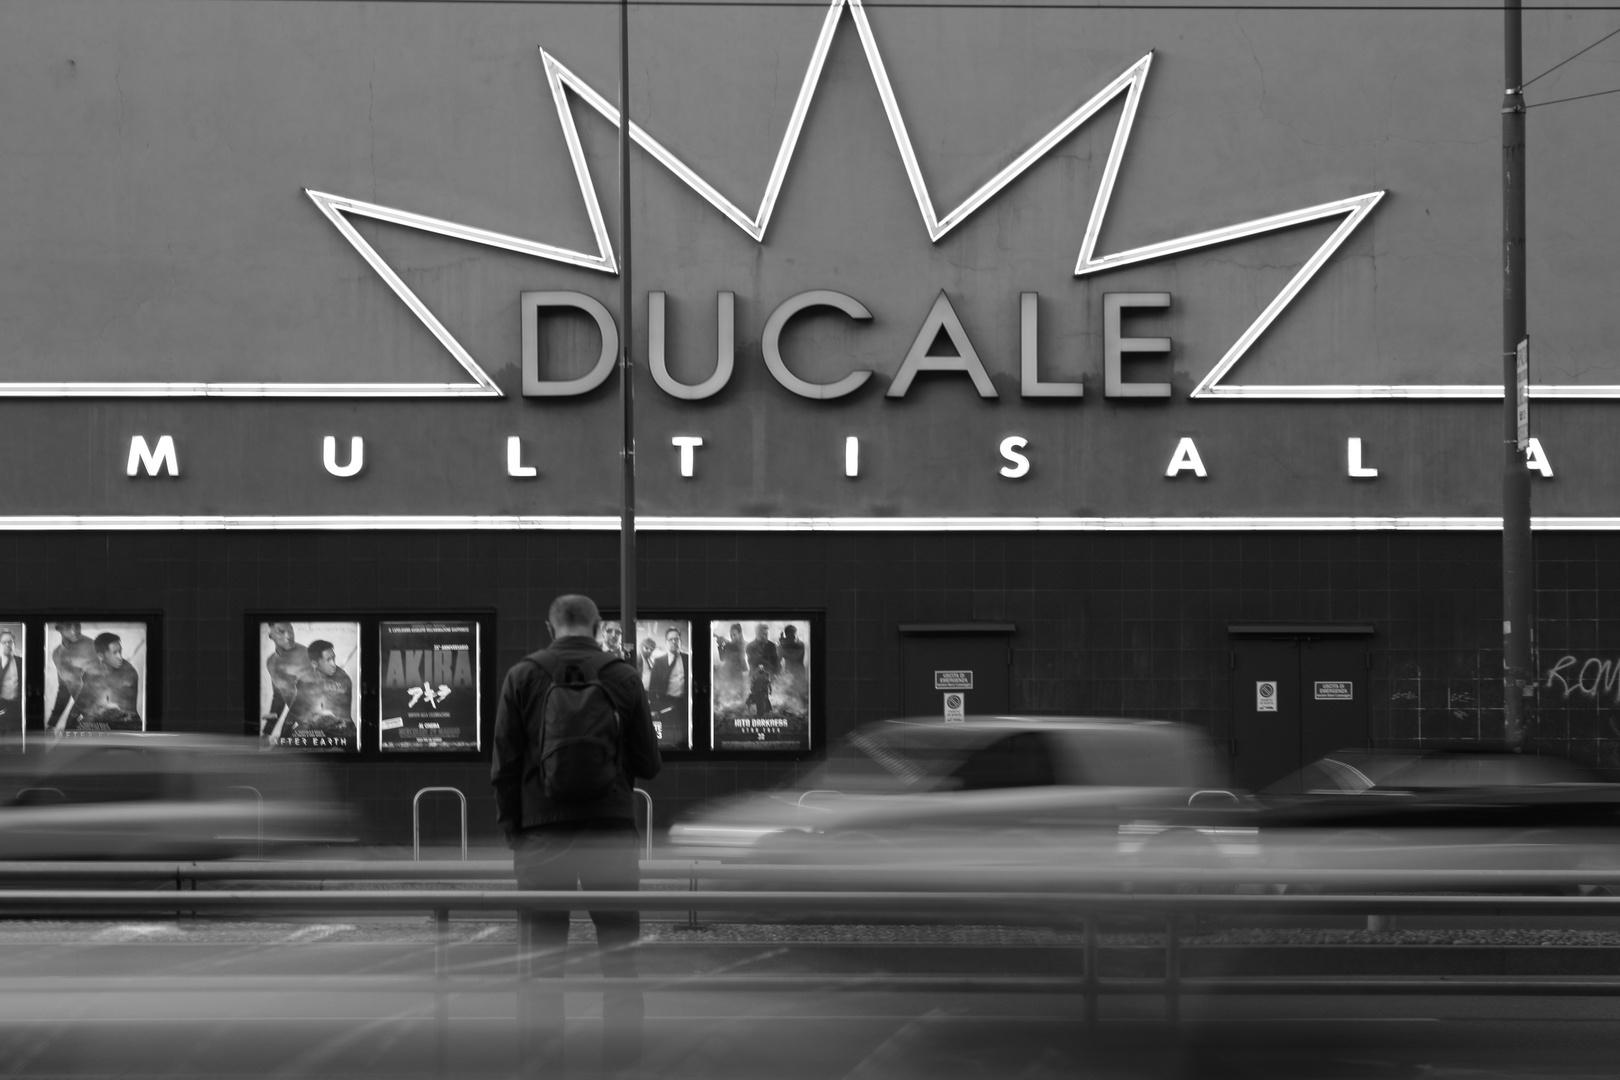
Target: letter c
(771, 343)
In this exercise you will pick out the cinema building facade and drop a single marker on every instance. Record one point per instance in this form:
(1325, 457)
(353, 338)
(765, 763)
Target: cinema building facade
(1119, 362)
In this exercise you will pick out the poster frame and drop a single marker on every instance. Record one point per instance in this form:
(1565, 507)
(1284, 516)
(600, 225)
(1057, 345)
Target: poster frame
(35, 620)
(703, 676)
(369, 690)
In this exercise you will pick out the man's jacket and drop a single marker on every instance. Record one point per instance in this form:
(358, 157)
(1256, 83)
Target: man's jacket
(520, 797)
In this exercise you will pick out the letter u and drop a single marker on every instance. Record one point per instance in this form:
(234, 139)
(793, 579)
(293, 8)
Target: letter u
(357, 456)
(725, 356)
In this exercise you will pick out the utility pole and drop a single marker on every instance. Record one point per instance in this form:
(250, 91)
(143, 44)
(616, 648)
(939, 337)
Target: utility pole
(1518, 588)
(627, 396)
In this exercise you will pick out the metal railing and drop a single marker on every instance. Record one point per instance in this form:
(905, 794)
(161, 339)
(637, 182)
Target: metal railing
(416, 819)
(1048, 907)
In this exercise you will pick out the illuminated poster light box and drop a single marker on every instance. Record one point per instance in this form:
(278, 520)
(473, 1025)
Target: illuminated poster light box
(431, 685)
(308, 673)
(662, 653)
(760, 693)
(96, 676)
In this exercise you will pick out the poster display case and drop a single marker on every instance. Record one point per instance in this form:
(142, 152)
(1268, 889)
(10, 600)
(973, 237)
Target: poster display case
(759, 697)
(662, 653)
(309, 670)
(430, 697)
(96, 675)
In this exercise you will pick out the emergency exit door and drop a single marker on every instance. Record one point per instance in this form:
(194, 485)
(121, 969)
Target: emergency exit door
(1295, 700)
(952, 670)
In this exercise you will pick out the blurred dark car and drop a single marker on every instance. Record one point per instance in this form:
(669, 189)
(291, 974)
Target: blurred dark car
(988, 791)
(1440, 810)
(152, 796)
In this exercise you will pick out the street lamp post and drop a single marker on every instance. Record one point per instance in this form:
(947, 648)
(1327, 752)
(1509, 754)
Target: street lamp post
(1518, 595)
(627, 397)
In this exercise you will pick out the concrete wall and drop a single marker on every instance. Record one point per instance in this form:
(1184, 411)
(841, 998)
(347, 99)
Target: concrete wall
(153, 227)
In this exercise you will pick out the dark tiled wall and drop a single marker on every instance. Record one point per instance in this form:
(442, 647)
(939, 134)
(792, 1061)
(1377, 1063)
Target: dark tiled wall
(1127, 624)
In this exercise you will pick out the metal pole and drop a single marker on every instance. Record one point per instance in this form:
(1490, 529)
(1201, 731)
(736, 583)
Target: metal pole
(627, 516)
(1518, 595)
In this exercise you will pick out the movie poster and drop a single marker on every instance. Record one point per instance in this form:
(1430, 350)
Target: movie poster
(13, 685)
(95, 677)
(760, 699)
(430, 686)
(663, 656)
(309, 673)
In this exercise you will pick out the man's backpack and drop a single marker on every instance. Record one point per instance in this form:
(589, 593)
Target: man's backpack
(579, 729)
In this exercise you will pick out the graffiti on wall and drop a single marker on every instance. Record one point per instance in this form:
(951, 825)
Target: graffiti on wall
(1592, 677)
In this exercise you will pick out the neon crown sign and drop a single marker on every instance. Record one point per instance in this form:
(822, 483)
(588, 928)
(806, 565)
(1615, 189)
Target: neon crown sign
(1131, 83)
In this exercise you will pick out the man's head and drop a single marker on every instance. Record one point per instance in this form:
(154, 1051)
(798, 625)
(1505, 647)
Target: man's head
(736, 631)
(612, 636)
(69, 631)
(8, 644)
(110, 648)
(649, 646)
(672, 640)
(761, 632)
(790, 633)
(323, 656)
(282, 634)
(574, 615)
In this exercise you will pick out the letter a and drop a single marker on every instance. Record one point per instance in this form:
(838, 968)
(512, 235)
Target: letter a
(1535, 459)
(941, 317)
(1185, 457)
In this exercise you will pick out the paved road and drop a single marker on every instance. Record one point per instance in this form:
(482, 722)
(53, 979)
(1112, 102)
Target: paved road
(145, 1000)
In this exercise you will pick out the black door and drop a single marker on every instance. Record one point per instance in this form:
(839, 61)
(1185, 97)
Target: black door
(1265, 712)
(950, 675)
(1293, 701)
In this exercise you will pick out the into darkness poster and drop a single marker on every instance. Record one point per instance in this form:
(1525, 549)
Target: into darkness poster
(430, 685)
(307, 678)
(95, 677)
(761, 684)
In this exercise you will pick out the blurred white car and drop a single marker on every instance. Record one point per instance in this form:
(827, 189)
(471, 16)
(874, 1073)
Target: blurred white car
(153, 796)
(1043, 793)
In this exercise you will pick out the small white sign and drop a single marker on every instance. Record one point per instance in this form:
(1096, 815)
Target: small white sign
(1265, 695)
(955, 708)
(390, 723)
(953, 680)
(1335, 691)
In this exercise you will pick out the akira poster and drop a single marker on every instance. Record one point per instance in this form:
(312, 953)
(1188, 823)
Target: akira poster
(95, 677)
(430, 685)
(307, 678)
(760, 697)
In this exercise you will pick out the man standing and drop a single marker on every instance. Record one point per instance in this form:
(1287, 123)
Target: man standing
(668, 688)
(563, 839)
(11, 683)
(762, 651)
(72, 658)
(109, 697)
(285, 666)
(323, 707)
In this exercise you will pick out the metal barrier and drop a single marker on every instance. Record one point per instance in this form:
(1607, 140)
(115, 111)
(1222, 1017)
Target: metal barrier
(258, 846)
(416, 820)
(1034, 907)
(646, 835)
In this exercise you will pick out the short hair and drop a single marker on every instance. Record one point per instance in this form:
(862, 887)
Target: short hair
(104, 641)
(673, 630)
(573, 612)
(318, 646)
(61, 627)
(7, 634)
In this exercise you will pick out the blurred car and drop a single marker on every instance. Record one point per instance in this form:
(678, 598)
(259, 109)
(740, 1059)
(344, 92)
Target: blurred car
(153, 796)
(1440, 810)
(1045, 793)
